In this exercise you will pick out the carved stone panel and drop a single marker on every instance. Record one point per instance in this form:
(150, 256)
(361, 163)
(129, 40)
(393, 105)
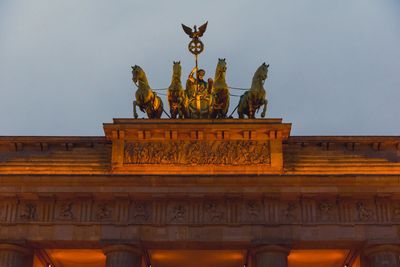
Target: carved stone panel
(28, 211)
(65, 210)
(327, 211)
(365, 211)
(158, 147)
(103, 211)
(290, 212)
(177, 212)
(396, 211)
(238, 152)
(140, 212)
(214, 211)
(252, 211)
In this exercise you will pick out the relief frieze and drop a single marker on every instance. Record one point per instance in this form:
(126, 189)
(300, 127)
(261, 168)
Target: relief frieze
(237, 152)
(225, 211)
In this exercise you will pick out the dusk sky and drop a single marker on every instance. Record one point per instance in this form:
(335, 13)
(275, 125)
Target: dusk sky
(334, 65)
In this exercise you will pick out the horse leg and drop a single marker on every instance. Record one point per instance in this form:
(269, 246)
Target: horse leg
(159, 111)
(240, 109)
(213, 113)
(226, 108)
(264, 109)
(251, 112)
(180, 109)
(135, 115)
(173, 111)
(180, 113)
(185, 108)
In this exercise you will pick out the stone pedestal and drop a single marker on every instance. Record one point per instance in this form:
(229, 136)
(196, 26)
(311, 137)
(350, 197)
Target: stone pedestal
(383, 256)
(123, 256)
(227, 146)
(14, 256)
(271, 256)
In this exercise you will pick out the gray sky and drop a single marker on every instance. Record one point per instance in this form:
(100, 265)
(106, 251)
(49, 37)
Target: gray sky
(65, 65)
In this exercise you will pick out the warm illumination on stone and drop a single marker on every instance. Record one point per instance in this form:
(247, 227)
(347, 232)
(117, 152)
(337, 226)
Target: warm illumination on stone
(197, 258)
(77, 257)
(317, 258)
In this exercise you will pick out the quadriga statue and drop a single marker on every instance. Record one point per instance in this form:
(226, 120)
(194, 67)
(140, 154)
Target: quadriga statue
(220, 92)
(176, 95)
(255, 97)
(146, 99)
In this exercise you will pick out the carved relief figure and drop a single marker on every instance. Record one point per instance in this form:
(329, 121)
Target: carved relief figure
(141, 212)
(28, 211)
(325, 210)
(364, 213)
(103, 211)
(177, 212)
(146, 99)
(253, 210)
(289, 213)
(213, 211)
(66, 211)
(254, 98)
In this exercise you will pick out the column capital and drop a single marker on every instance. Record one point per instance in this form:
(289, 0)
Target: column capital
(122, 247)
(271, 248)
(370, 250)
(15, 248)
(123, 255)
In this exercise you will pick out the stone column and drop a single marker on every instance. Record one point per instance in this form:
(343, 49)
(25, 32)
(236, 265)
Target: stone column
(123, 256)
(14, 256)
(383, 256)
(271, 256)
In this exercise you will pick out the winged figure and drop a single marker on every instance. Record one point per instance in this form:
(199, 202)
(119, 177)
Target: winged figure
(195, 33)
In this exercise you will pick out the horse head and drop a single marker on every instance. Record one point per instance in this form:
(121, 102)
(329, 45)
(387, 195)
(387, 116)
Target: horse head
(221, 68)
(176, 70)
(262, 72)
(137, 73)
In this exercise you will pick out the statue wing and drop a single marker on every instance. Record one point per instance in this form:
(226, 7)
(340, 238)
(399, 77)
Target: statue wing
(202, 29)
(187, 30)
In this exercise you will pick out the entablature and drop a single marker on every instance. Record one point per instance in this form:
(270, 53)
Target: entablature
(260, 147)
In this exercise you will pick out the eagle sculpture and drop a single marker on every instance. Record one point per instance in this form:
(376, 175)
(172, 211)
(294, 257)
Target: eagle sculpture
(195, 33)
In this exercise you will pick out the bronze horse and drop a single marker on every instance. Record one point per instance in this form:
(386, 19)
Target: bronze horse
(176, 95)
(220, 92)
(146, 99)
(255, 97)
